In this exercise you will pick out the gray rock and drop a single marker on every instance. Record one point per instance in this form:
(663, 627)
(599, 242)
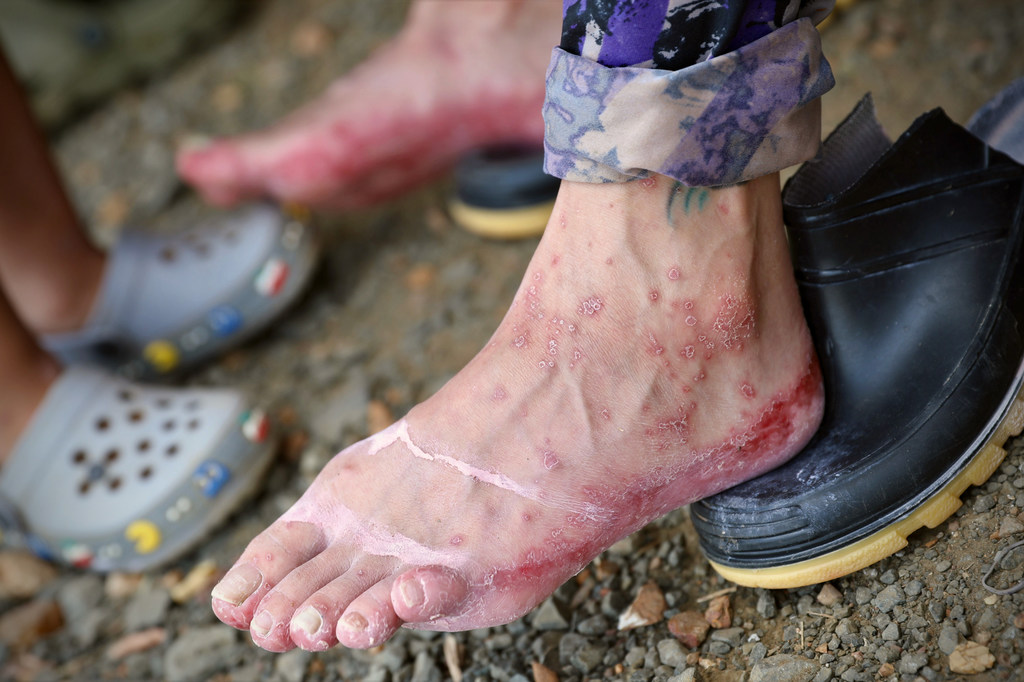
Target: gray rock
(376, 674)
(784, 668)
(549, 616)
(635, 657)
(147, 608)
(79, 596)
(86, 628)
(889, 598)
(569, 645)
(846, 627)
(344, 407)
(824, 675)
(688, 675)
(863, 596)
(392, 657)
(733, 636)
(593, 626)
(943, 565)
(499, 641)
(251, 672)
(937, 610)
(766, 604)
(949, 638)
(984, 503)
(719, 648)
(988, 620)
(588, 657)
(199, 652)
(291, 666)
(888, 578)
(425, 669)
(613, 604)
(911, 663)
(671, 652)
(545, 648)
(891, 633)
(913, 588)
(757, 652)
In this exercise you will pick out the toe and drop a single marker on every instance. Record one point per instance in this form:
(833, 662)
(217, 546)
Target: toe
(312, 627)
(370, 619)
(427, 593)
(271, 556)
(271, 622)
(218, 171)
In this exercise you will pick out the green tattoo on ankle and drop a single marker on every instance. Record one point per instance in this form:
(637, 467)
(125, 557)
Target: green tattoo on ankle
(693, 197)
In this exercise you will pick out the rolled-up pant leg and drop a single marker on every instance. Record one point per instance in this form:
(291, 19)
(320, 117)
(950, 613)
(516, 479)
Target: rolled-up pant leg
(709, 92)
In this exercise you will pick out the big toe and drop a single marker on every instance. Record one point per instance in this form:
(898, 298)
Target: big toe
(425, 594)
(218, 171)
(271, 556)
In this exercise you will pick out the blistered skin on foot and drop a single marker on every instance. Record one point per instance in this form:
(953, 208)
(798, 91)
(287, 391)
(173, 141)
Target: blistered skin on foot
(459, 75)
(592, 410)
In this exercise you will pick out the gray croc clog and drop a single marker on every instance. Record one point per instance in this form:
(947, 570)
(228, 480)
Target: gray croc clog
(111, 475)
(171, 301)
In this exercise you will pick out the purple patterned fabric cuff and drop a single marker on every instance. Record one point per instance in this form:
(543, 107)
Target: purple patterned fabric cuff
(732, 118)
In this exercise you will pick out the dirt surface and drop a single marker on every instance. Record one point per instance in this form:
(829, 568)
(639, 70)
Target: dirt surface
(402, 301)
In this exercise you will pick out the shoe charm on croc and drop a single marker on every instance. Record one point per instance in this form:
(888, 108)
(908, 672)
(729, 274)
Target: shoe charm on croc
(908, 257)
(171, 301)
(111, 475)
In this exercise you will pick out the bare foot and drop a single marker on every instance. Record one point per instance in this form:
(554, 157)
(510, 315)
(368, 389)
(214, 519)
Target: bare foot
(458, 75)
(655, 353)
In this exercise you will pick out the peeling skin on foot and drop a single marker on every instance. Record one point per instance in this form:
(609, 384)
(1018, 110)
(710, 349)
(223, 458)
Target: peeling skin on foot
(590, 413)
(398, 433)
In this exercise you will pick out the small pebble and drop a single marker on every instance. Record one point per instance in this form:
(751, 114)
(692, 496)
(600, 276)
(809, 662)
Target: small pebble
(135, 642)
(689, 627)
(829, 595)
(671, 653)
(949, 638)
(647, 609)
(23, 575)
(719, 612)
(784, 668)
(766, 604)
(969, 658)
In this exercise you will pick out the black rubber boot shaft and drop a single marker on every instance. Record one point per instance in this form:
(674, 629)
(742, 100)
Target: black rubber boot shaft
(504, 176)
(907, 262)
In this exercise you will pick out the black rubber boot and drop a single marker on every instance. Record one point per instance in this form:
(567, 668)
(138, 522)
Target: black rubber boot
(502, 192)
(908, 260)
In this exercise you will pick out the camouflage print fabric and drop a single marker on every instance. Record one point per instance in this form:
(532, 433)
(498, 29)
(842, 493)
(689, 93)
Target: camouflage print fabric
(733, 117)
(674, 34)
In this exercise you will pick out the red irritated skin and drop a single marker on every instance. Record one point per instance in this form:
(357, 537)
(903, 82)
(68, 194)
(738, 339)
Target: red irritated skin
(655, 353)
(458, 76)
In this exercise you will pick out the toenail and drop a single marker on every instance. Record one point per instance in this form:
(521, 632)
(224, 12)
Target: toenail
(412, 593)
(354, 622)
(262, 624)
(308, 620)
(238, 584)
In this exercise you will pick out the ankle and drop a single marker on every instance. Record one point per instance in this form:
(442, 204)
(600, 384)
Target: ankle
(26, 381)
(60, 305)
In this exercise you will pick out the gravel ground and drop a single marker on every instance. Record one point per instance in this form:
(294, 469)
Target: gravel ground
(402, 301)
